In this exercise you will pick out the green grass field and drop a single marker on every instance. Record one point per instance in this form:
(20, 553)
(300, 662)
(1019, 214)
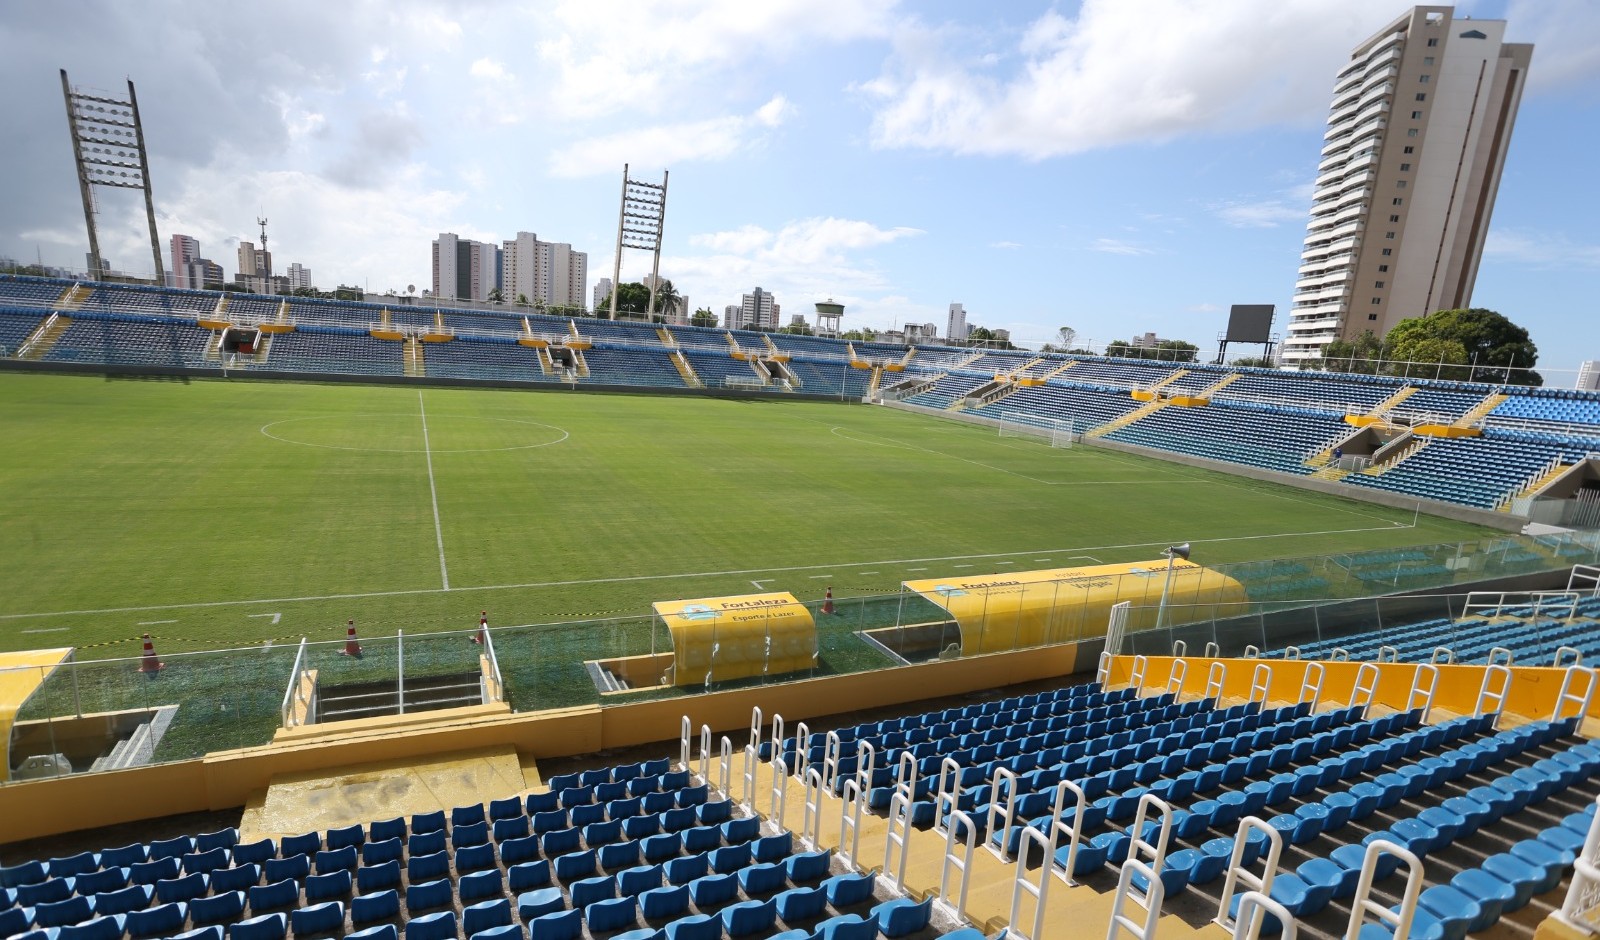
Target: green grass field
(215, 514)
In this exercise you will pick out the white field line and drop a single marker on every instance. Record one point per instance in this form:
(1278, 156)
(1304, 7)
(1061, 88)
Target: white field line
(433, 493)
(49, 630)
(732, 572)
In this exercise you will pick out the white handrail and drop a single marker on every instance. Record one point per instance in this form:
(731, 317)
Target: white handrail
(1238, 873)
(291, 695)
(494, 668)
(1399, 923)
(1583, 895)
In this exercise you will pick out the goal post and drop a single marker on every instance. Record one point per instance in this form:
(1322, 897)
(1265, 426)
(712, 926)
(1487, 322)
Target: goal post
(1056, 432)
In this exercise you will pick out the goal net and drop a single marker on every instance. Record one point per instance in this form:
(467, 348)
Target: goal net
(1056, 432)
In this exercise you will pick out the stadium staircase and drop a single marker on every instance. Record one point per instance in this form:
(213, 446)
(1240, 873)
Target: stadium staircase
(963, 363)
(666, 337)
(414, 364)
(1411, 449)
(73, 297)
(580, 365)
(873, 381)
(1210, 391)
(545, 365)
(1153, 391)
(1149, 408)
(1479, 411)
(44, 336)
(690, 378)
(917, 385)
(1380, 412)
(221, 311)
(1555, 471)
(1062, 368)
(213, 351)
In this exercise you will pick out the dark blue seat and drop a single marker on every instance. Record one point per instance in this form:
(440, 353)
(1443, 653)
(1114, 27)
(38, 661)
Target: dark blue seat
(467, 815)
(264, 927)
(528, 875)
(381, 851)
(371, 878)
(712, 890)
(773, 848)
(306, 843)
(163, 920)
(749, 917)
(422, 823)
(213, 932)
(730, 858)
(336, 884)
(575, 865)
(428, 867)
(175, 847)
(327, 917)
(24, 873)
(560, 842)
(376, 906)
(237, 878)
(473, 834)
(131, 898)
(182, 889)
(346, 837)
(516, 827)
(508, 808)
(713, 812)
(580, 817)
(475, 858)
(440, 925)
(274, 897)
(332, 860)
(763, 878)
(681, 871)
(222, 908)
(99, 928)
(590, 890)
(507, 932)
(542, 802)
(95, 882)
(380, 932)
(532, 905)
(799, 904)
(701, 838)
(513, 851)
(293, 868)
(847, 927)
(808, 866)
(479, 885)
(476, 918)
(562, 925)
(638, 827)
(428, 895)
(619, 855)
(845, 890)
(663, 903)
(120, 857)
(426, 843)
(385, 829)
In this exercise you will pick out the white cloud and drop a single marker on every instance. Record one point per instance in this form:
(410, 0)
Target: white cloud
(489, 69)
(1562, 32)
(1005, 245)
(1075, 84)
(668, 144)
(1268, 213)
(612, 55)
(1116, 246)
(1542, 250)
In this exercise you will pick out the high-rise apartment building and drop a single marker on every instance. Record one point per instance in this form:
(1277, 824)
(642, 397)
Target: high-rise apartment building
(956, 327)
(1417, 136)
(185, 251)
(464, 269)
(602, 290)
(758, 309)
(299, 276)
(550, 274)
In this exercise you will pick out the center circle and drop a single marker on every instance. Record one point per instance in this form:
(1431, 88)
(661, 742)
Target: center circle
(393, 433)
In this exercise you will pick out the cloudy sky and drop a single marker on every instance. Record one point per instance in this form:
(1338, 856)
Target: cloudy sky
(1112, 166)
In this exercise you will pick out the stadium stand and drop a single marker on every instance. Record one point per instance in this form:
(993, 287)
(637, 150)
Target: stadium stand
(482, 357)
(631, 366)
(1240, 432)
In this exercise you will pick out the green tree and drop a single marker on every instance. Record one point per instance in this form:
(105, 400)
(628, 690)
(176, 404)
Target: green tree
(496, 296)
(1167, 350)
(983, 336)
(1363, 355)
(633, 299)
(347, 292)
(862, 335)
(703, 317)
(1483, 346)
(1258, 362)
(667, 297)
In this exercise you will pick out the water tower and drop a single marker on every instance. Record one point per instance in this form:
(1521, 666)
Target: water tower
(828, 314)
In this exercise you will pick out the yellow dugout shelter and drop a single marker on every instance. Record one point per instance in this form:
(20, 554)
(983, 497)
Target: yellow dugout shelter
(737, 637)
(1016, 610)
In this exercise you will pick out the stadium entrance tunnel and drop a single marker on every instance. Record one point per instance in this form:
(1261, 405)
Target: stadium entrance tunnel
(91, 742)
(714, 639)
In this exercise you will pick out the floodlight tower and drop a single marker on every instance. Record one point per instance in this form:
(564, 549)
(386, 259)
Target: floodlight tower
(108, 149)
(639, 223)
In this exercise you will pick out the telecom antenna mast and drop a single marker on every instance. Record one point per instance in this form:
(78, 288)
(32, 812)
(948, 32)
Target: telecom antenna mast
(108, 148)
(639, 223)
(263, 223)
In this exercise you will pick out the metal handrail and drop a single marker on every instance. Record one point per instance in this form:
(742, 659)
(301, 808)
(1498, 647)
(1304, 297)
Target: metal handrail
(291, 694)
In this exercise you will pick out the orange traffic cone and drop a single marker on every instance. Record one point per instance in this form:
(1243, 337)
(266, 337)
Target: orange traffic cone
(351, 647)
(482, 636)
(827, 601)
(148, 662)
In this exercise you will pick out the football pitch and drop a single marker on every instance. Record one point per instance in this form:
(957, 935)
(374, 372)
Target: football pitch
(218, 514)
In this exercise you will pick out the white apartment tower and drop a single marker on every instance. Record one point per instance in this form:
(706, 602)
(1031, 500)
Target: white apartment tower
(956, 327)
(464, 269)
(549, 274)
(1417, 135)
(757, 309)
(185, 251)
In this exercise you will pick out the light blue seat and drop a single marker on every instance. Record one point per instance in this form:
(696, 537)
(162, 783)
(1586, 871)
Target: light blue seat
(902, 916)
(612, 913)
(528, 875)
(638, 880)
(440, 925)
(773, 848)
(478, 885)
(748, 917)
(222, 908)
(327, 917)
(712, 890)
(476, 918)
(845, 890)
(686, 869)
(379, 905)
(1492, 894)
(846, 927)
(428, 896)
(336, 884)
(763, 878)
(798, 904)
(274, 897)
(664, 903)
(264, 927)
(532, 905)
(619, 855)
(563, 925)
(730, 858)
(695, 927)
(808, 866)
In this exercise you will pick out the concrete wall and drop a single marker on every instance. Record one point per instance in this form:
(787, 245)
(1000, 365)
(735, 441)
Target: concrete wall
(1494, 520)
(30, 809)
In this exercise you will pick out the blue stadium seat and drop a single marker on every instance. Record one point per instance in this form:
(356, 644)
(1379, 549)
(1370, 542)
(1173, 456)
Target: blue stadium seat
(535, 904)
(96, 882)
(324, 918)
(563, 925)
(749, 917)
(120, 857)
(292, 868)
(380, 932)
(847, 927)
(163, 920)
(663, 903)
(371, 878)
(375, 906)
(224, 908)
(428, 867)
(99, 928)
(476, 918)
(472, 834)
(426, 843)
(182, 889)
(528, 875)
(902, 916)
(264, 927)
(385, 829)
(424, 823)
(611, 914)
(67, 866)
(508, 808)
(590, 890)
(515, 827)
(774, 848)
(175, 847)
(483, 884)
(475, 858)
(428, 895)
(254, 853)
(148, 873)
(507, 932)
(306, 843)
(335, 884)
(524, 849)
(345, 837)
(799, 904)
(701, 838)
(683, 870)
(763, 878)
(845, 890)
(440, 925)
(712, 890)
(808, 866)
(619, 855)
(560, 842)
(274, 896)
(695, 927)
(46, 892)
(467, 815)
(237, 878)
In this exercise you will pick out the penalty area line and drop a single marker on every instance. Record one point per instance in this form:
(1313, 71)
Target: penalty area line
(433, 494)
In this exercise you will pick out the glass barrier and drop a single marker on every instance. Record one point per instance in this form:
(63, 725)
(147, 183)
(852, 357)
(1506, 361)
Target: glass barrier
(93, 714)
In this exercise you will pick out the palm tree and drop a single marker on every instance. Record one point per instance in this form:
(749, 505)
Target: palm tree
(666, 296)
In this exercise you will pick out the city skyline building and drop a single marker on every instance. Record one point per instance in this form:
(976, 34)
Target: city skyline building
(758, 309)
(464, 269)
(185, 250)
(1417, 136)
(956, 325)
